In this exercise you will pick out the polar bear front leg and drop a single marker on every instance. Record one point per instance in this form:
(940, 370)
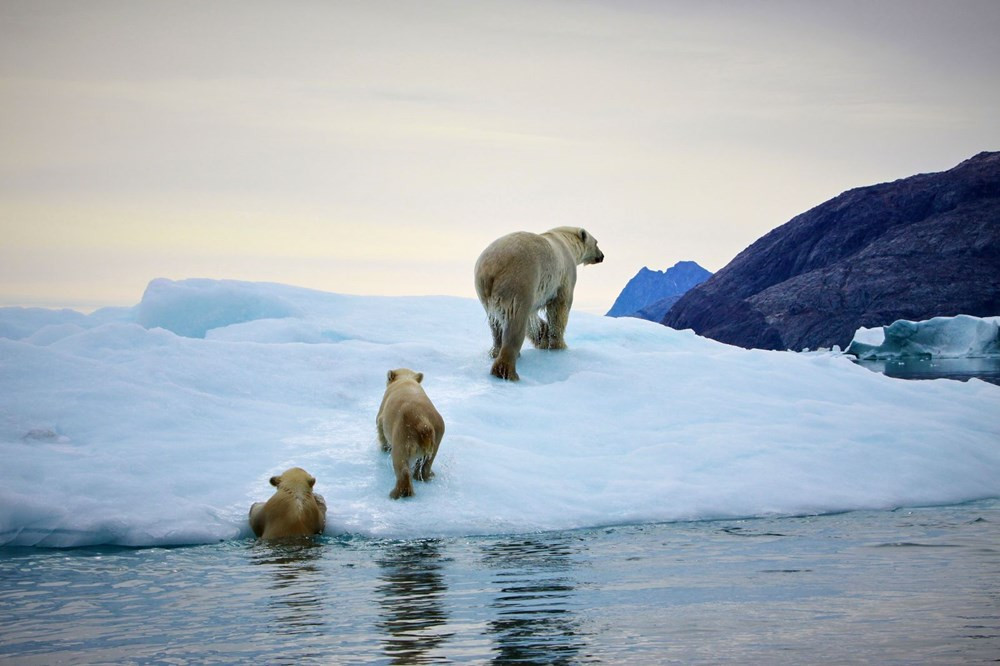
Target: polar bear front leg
(257, 518)
(422, 470)
(538, 332)
(557, 314)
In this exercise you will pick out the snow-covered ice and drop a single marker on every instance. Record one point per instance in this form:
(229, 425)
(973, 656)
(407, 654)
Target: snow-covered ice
(961, 336)
(160, 424)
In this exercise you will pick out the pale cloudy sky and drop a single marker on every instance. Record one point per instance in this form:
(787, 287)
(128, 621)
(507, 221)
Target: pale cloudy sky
(375, 147)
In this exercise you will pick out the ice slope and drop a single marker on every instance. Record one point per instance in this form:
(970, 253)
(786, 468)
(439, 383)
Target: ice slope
(962, 336)
(160, 424)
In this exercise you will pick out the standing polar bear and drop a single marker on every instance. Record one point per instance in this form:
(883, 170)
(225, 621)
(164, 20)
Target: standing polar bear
(408, 425)
(521, 273)
(293, 510)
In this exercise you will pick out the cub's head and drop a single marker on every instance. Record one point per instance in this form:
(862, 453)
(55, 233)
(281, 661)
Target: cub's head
(401, 374)
(591, 253)
(294, 478)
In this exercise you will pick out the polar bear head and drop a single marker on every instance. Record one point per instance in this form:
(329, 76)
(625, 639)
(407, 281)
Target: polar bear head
(591, 253)
(403, 373)
(295, 478)
(580, 242)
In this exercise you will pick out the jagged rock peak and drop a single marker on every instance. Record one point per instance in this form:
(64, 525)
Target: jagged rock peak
(648, 287)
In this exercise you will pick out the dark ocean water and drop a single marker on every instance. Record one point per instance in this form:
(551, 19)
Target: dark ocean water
(962, 369)
(905, 586)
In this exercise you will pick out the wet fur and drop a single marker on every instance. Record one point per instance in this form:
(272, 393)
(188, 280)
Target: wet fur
(410, 427)
(523, 273)
(293, 510)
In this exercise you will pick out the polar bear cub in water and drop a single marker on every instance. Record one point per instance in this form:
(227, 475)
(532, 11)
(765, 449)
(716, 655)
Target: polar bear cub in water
(293, 510)
(408, 425)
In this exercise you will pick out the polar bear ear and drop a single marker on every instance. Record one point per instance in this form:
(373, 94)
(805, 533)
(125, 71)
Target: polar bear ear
(312, 481)
(275, 480)
(391, 375)
(583, 235)
(419, 377)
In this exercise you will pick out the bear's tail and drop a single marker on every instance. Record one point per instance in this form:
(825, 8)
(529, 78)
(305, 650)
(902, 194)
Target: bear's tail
(484, 288)
(425, 434)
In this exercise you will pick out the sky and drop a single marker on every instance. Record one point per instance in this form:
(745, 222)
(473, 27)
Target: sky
(377, 147)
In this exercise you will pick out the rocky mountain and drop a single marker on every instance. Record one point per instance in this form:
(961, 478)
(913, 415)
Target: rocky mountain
(658, 310)
(650, 294)
(916, 248)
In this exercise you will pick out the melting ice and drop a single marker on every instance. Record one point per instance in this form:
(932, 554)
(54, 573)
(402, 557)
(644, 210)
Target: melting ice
(161, 424)
(962, 336)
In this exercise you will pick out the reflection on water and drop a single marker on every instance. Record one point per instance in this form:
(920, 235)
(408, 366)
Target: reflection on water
(294, 597)
(912, 586)
(987, 369)
(410, 593)
(534, 620)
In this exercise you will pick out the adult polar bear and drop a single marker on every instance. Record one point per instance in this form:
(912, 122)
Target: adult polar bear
(521, 273)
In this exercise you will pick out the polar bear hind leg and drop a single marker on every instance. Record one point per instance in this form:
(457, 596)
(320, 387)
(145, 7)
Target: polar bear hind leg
(513, 318)
(496, 329)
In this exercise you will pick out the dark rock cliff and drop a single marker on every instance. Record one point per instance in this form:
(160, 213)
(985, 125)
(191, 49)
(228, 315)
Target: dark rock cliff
(916, 248)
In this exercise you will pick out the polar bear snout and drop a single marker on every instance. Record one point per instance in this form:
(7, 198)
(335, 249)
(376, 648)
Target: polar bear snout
(591, 254)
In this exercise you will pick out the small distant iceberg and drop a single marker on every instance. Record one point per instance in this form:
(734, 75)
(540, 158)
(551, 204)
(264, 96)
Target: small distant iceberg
(191, 308)
(961, 336)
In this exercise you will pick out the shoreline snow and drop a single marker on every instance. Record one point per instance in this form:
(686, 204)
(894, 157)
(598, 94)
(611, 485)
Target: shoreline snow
(160, 424)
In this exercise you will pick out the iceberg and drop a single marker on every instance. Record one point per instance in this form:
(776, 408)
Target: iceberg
(961, 336)
(161, 424)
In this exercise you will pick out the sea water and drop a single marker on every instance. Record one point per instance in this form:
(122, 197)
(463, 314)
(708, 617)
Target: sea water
(909, 586)
(986, 368)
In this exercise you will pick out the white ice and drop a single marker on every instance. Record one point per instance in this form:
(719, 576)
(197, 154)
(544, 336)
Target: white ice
(160, 424)
(962, 336)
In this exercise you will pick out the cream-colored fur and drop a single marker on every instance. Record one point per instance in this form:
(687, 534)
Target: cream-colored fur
(293, 510)
(409, 426)
(522, 273)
